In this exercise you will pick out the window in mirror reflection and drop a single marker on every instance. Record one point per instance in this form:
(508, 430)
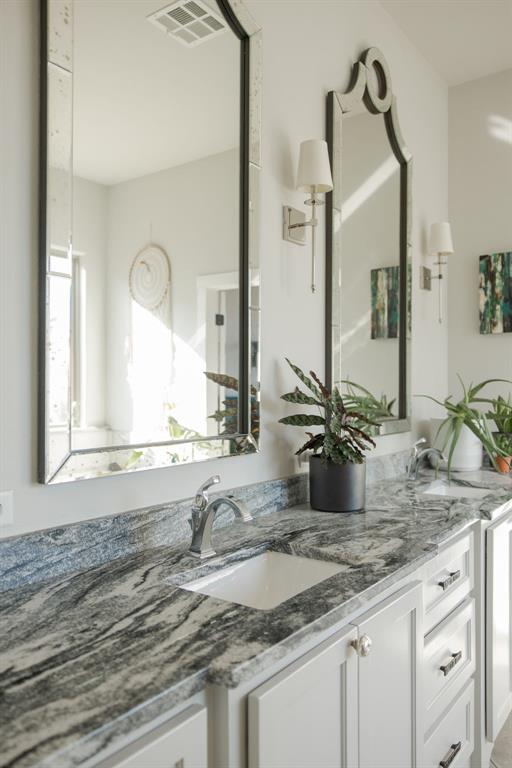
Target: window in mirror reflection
(370, 258)
(156, 128)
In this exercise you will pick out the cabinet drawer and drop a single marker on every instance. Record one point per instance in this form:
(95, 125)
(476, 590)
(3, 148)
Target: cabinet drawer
(451, 742)
(178, 743)
(449, 579)
(448, 659)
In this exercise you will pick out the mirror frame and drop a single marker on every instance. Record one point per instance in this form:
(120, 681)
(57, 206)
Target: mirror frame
(56, 49)
(377, 96)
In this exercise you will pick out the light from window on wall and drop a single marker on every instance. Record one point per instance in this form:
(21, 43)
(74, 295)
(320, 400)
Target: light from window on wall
(500, 128)
(369, 187)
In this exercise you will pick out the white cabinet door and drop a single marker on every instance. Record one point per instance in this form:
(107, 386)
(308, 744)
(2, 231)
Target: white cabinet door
(306, 716)
(499, 625)
(178, 743)
(390, 733)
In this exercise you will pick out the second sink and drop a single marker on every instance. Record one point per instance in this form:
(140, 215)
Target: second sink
(264, 581)
(441, 488)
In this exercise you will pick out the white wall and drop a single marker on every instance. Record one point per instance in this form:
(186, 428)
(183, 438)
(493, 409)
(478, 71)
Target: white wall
(480, 182)
(308, 49)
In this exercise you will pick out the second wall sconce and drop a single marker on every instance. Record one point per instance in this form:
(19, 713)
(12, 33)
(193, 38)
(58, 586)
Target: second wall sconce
(313, 176)
(440, 244)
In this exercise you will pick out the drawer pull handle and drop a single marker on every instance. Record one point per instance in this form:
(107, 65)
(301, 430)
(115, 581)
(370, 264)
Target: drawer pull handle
(451, 579)
(447, 668)
(451, 755)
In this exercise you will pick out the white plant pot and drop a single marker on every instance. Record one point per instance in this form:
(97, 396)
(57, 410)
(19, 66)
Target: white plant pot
(468, 453)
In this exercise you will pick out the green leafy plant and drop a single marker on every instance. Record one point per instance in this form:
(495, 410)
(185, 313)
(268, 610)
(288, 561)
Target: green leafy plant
(227, 416)
(346, 435)
(464, 413)
(359, 398)
(501, 414)
(504, 443)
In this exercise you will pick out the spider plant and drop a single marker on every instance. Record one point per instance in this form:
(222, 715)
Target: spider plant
(464, 413)
(501, 414)
(346, 434)
(359, 398)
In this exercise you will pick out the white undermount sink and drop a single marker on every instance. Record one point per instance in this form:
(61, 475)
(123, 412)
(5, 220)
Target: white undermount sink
(441, 488)
(264, 581)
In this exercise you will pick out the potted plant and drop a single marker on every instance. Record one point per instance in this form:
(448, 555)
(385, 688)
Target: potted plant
(504, 443)
(501, 415)
(337, 469)
(464, 431)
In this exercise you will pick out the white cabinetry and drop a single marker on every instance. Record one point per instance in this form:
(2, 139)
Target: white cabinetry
(499, 624)
(331, 704)
(389, 682)
(178, 743)
(307, 714)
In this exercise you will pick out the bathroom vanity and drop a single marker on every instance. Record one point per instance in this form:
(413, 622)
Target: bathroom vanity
(401, 657)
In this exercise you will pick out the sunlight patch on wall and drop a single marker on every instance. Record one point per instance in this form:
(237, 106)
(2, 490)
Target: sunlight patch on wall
(500, 128)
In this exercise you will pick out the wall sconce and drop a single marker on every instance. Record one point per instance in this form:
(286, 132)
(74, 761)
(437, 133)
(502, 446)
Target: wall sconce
(313, 176)
(440, 244)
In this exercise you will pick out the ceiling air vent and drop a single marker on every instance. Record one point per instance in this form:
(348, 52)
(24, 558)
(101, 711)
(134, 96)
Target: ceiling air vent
(190, 21)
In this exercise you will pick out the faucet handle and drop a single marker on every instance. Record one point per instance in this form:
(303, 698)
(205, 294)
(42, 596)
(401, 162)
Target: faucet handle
(201, 499)
(417, 445)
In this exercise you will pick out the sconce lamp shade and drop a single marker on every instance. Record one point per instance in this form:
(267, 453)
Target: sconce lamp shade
(314, 174)
(440, 241)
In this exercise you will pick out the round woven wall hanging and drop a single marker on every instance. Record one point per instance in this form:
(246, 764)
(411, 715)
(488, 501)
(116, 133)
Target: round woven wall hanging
(150, 275)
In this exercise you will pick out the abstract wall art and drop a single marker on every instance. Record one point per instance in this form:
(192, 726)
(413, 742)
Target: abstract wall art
(495, 288)
(385, 302)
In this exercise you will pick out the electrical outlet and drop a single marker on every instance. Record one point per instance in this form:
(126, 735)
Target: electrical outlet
(6, 508)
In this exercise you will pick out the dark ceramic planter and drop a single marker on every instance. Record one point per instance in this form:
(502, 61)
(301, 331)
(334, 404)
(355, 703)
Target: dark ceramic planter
(336, 487)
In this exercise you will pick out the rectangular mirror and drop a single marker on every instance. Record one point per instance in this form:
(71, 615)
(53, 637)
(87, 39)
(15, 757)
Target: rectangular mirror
(149, 284)
(368, 316)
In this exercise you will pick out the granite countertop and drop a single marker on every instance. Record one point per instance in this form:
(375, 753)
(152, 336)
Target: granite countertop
(87, 658)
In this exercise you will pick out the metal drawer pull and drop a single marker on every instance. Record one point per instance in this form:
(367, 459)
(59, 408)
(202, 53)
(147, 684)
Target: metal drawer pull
(447, 668)
(449, 580)
(451, 755)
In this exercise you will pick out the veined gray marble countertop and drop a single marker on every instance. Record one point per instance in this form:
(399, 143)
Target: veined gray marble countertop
(88, 657)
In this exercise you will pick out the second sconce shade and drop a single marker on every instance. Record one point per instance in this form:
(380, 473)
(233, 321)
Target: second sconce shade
(314, 172)
(440, 241)
(440, 244)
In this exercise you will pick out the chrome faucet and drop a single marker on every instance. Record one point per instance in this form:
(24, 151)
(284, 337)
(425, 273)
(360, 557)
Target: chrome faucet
(203, 515)
(418, 454)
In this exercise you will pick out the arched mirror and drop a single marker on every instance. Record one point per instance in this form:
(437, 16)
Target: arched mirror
(368, 315)
(149, 285)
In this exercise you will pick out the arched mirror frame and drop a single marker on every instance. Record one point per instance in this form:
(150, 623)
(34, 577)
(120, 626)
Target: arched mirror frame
(370, 84)
(56, 53)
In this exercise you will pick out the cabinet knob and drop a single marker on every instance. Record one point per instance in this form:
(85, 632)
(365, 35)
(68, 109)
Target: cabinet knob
(363, 645)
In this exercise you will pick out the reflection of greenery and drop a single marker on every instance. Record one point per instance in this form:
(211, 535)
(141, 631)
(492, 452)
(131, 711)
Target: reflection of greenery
(134, 457)
(359, 398)
(227, 416)
(346, 435)
(178, 432)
